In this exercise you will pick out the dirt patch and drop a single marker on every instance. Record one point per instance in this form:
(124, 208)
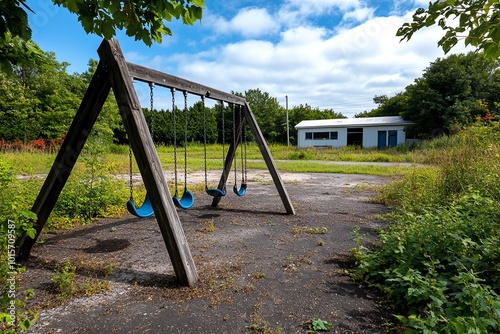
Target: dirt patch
(261, 270)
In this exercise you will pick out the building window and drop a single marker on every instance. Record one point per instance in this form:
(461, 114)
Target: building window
(321, 135)
(334, 135)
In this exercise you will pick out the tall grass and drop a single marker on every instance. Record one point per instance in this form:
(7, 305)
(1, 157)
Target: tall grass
(439, 259)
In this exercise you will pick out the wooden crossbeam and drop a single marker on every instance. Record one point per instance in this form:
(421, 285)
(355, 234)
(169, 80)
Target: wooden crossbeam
(147, 75)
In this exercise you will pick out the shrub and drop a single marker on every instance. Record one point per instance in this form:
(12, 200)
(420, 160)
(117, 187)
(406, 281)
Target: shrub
(439, 259)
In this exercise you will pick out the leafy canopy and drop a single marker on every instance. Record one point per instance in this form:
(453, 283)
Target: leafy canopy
(475, 21)
(142, 19)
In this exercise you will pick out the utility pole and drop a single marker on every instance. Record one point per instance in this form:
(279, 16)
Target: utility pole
(287, 127)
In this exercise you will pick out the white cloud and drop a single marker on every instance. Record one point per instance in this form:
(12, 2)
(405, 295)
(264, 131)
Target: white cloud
(341, 68)
(359, 14)
(249, 22)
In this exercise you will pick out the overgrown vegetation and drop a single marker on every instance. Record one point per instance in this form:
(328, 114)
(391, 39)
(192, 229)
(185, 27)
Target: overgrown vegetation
(439, 258)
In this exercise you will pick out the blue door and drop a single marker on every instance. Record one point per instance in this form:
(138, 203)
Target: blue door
(393, 138)
(382, 140)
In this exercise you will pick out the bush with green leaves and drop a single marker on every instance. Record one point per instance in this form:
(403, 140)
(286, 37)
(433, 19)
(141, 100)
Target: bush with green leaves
(439, 258)
(15, 219)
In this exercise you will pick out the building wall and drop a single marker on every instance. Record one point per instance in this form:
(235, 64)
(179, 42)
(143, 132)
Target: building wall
(370, 136)
(339, 142)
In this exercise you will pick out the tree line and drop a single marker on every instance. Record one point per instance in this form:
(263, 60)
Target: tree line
(452, 92)
(38, 103)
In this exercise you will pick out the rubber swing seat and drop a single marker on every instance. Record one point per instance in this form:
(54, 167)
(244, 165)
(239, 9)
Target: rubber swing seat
(146, 209)
(186, 201)
(215, 192)
(241, 191)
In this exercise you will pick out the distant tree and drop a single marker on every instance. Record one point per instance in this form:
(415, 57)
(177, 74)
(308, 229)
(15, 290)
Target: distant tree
(302, 112)
(38, 101)
(387, 106)
(143, 20)
(476, 22)
(451, 93)
(269, 114)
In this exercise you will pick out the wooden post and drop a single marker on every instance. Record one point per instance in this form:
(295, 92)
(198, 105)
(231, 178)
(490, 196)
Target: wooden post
(76, 137)
(266, 154)
(149, 163)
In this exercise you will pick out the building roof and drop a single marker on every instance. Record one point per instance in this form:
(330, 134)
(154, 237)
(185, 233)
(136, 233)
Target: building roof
(352, 122)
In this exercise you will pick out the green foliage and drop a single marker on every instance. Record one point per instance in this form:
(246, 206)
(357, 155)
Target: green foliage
(15, 219)
(90, 192)
(453, 92)
(64, 280)
(439, 259)
(477, 21)
(145, 21)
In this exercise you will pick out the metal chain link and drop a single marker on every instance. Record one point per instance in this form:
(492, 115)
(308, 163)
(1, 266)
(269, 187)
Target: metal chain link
(204, 139)
(151, 100)
(131, 183)
(243, 149)
(235, 160)
(223, 141)
(175, 137)
(185, 138)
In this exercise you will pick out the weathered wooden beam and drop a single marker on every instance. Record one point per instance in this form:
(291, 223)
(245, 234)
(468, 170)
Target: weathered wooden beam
(149, 164)
(145, 74)
(76, 137)
(266, 154)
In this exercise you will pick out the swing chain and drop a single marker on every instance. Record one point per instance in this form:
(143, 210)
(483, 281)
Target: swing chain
(235, 142)
(243, 149)
(131, 181)
(204, 139)
(151, 109)
(185, 138)
(223, 141)
(175, 137)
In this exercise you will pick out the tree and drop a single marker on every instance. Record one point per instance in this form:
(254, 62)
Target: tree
(451, 93)
(478, 24)
(144, 20)
(387, 106)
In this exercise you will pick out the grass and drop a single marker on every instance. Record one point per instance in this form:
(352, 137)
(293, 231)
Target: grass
(288, 159)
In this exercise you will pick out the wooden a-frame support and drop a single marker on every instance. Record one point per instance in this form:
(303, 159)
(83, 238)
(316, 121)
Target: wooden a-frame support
(114, 72)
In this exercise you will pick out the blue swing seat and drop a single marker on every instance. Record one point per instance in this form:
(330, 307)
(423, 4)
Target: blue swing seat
(146, 209)
(186, 201)
(242, 190)
(215, 192)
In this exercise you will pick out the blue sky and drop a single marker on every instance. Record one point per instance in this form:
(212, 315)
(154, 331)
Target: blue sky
(335, 54)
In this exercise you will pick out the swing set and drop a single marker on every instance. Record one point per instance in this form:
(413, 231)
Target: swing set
(113, 72)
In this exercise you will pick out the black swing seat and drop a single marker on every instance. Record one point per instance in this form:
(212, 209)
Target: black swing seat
(146, 209)
(186, 201)
(241, 192)
(215, 192)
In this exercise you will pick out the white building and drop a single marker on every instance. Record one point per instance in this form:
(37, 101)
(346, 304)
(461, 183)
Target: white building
(367, 132)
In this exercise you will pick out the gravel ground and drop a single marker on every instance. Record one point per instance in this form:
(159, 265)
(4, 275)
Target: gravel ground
(260, 270)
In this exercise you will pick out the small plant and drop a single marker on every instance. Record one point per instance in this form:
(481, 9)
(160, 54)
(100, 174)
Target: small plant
(209, 226)
(318, 325)
(321, 242)
(309, 230)
(64, 280)
(260, 274)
